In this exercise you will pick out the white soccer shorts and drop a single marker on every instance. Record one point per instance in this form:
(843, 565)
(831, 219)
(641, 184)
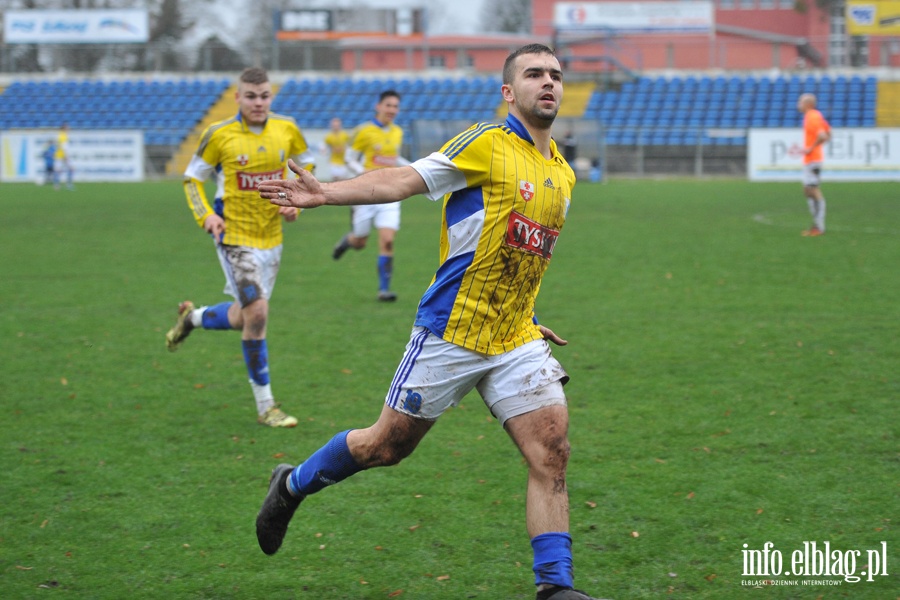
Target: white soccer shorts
(812, 174)
(379, 216)
(249, 272)
(435, 375)
(339, 172)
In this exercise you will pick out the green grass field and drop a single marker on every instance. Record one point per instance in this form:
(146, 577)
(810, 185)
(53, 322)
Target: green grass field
(732, 383)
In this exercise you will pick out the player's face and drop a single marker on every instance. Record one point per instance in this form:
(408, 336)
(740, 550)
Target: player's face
(386, 110)
(536, 90)
(254, 100)
(336, 124)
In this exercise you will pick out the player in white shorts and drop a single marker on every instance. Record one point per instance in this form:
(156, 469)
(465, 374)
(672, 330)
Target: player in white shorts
(435, 375)
(335, 145)
(506, 190)
(238, 153)
(376, 144)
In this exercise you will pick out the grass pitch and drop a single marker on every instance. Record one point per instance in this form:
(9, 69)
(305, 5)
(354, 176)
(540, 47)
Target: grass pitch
(732, 383)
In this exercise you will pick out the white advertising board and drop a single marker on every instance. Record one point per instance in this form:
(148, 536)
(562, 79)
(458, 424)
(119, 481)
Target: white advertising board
(853, 154)
(83, 26)
(677, 16)
(115, 155)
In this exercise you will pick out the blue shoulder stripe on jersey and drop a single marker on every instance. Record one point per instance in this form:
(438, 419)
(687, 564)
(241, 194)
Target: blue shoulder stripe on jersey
(516, 126)
(463, 204)
(466, 138)
(437, 301)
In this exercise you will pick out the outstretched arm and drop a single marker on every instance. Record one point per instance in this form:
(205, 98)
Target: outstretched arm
(375, 187)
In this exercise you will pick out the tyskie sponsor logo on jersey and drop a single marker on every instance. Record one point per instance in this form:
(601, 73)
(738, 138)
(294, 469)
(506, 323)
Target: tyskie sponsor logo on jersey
(530, 236)
(381, 160)
(250, 181)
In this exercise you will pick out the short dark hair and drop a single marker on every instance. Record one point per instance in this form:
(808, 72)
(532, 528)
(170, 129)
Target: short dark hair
(388, 94)
(254, 76)
(509, 65)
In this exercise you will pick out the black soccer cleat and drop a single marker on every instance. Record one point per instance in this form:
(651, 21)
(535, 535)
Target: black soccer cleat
(342, 246)
(567, 594)
(276, 512)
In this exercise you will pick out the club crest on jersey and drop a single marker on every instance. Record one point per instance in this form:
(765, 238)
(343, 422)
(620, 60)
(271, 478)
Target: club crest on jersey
(243, 159)
(530, 236)
(526, 189)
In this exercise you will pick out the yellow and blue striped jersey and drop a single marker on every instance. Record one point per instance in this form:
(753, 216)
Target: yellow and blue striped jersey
(337, 146)
(500, 226)
(241, 159)
(379, 144)
(62, 145)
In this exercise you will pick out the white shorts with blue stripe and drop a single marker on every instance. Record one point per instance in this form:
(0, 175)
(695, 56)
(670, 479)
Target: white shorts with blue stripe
(435, 375)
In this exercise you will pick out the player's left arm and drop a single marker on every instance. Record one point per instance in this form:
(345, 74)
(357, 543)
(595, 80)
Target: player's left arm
(548, 334)
(823, 136)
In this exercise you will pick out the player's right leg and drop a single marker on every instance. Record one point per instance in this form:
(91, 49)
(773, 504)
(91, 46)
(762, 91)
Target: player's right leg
(190, 318)
(391, 439)
(432, 376)
(361, 219)
(812, 173)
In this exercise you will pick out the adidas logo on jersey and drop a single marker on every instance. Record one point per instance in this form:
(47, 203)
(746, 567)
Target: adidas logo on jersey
(548, 183)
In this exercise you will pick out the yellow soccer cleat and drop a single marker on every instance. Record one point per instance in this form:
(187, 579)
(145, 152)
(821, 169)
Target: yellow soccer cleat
(275, 417)
(182, 328)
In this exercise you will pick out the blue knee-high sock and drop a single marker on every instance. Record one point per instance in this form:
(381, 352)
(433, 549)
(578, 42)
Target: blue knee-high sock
(385, 270)
(553, 559)
(256, 355)
(216, 317)
(330, 464)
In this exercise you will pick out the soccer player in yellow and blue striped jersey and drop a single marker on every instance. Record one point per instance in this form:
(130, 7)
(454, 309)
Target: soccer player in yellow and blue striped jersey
(336, 143)
(63, 159)
(376, 144)
(241, 152)
(506, 192)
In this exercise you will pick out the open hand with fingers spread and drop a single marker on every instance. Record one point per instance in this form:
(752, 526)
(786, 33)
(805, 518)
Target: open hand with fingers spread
(304, 192)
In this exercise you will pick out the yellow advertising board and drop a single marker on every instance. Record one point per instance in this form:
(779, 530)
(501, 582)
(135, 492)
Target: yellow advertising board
(873, 17)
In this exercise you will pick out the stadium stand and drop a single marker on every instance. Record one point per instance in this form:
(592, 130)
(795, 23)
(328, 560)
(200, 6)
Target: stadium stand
(313, 102)
(675, 111)
(650, 110)
(165, 110)
(221, 109)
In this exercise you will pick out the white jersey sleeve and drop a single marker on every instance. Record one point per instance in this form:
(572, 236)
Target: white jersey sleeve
(440, 175)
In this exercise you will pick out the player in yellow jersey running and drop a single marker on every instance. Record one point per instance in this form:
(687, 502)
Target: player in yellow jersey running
(376, 145)
(63, 159)
(506, 191)
(336, 144)
(241, 152)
